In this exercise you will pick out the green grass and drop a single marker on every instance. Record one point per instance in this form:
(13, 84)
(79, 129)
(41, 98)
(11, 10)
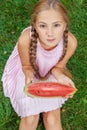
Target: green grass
(14, 17)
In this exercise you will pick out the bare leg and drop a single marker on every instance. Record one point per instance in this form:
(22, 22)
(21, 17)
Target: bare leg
(29, 123)
(52, 120)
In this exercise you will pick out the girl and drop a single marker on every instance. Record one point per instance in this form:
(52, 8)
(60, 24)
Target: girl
(42, 51)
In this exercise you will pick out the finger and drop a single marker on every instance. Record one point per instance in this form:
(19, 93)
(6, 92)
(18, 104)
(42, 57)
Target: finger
(31, 79)
(28, 81)
(69, 96)
(72, 84)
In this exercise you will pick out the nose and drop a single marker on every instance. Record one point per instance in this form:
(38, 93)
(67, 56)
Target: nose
(50, 31)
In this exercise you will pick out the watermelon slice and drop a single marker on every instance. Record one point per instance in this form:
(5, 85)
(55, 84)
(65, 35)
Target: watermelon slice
(49, 89)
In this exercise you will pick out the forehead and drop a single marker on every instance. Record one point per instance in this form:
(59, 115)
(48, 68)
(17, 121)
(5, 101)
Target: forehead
(49, 15)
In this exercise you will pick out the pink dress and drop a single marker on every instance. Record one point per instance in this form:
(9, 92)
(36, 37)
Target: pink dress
(14, 81)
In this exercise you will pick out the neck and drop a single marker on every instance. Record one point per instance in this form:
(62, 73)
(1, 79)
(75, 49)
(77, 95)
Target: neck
(46, 47)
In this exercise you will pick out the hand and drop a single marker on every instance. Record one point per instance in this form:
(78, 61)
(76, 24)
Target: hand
(29, 80)
(29, 77)
(63, 79)
(67, 81)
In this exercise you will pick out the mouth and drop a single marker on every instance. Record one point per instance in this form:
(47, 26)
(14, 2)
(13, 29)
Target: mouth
(50, 40)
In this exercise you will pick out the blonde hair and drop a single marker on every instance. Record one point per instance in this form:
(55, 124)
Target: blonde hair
(41, 6)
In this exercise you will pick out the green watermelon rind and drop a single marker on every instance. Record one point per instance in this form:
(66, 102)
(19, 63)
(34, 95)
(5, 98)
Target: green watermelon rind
(27, 93)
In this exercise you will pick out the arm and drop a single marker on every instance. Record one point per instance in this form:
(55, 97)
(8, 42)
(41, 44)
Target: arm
(72, 44)
(23, 49)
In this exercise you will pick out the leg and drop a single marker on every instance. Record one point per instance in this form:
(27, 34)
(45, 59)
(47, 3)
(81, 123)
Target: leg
(29, 123)
(52, 120)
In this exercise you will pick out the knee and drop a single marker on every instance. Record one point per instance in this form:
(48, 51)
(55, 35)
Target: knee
(31, 120)
(52, 119)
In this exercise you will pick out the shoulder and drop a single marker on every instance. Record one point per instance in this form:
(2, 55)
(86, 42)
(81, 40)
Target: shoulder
(72, 39)
(24, 38)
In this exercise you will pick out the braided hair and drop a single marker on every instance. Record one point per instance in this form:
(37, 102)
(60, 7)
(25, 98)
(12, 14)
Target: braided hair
(40, 6)
(65, 37)
(33, 49)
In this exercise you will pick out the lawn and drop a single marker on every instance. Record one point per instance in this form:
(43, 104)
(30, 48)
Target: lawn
(14, 17)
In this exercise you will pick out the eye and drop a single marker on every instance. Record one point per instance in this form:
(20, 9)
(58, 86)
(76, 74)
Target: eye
(57, 25)
(42, 26)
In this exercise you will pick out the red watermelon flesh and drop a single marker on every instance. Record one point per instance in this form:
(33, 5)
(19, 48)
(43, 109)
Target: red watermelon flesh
(49, 89)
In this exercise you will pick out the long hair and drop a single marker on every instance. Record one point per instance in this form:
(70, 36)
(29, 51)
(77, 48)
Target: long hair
(41, 6)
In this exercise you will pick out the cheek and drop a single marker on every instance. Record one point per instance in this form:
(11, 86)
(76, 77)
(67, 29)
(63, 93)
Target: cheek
(64, 27)
(41, 33)
(59, 33)
(61, 30)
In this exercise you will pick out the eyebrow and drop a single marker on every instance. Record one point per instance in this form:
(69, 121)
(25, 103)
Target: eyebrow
(52, 23)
